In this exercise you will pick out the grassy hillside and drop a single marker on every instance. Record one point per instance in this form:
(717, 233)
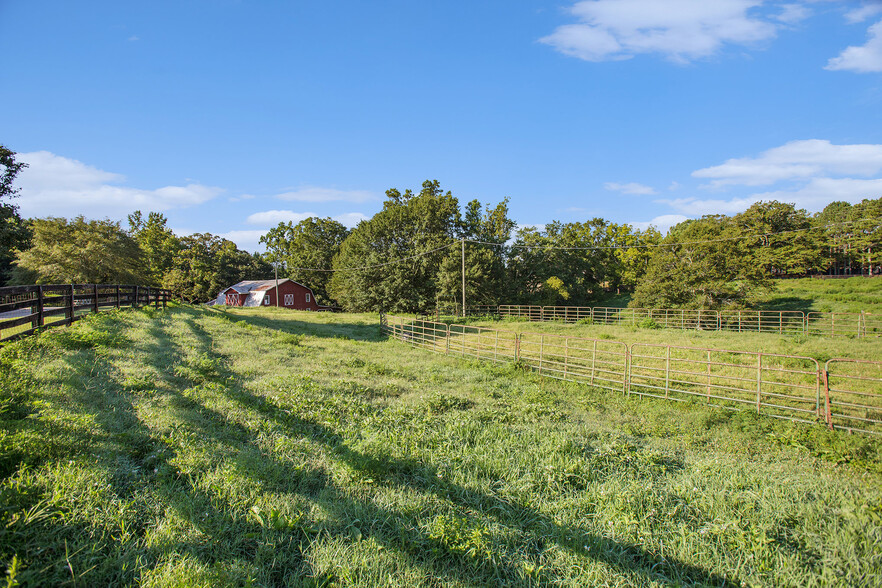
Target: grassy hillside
(807, 295)
(262, 447)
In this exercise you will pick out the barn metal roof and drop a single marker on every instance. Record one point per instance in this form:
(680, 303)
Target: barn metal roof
(246, 286)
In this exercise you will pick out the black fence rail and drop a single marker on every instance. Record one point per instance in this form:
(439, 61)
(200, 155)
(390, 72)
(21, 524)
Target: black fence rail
(24, 309)
(842, 394)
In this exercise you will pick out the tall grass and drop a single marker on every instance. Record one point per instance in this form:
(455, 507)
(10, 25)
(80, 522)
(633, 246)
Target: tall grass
(265, 447)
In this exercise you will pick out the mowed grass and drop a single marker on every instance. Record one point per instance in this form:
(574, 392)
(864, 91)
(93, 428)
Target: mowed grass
(263, 447)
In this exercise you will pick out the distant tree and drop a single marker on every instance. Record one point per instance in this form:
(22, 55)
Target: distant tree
(14, 232)
(485, 258)
(391, 261)
(81, 251)
(575, 263)
(311, 243)
(158, 244)
(779, 238)
(701, 263)
(206, 263)
(867, 235)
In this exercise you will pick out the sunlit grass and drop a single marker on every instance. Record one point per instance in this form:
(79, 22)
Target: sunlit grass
(198, 447)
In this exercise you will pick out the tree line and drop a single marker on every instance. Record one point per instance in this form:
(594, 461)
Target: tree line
(409, 256)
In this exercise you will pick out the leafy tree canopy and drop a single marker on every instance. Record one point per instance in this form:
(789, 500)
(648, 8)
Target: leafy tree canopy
(14, 232)
(311, 243)
(80, 251)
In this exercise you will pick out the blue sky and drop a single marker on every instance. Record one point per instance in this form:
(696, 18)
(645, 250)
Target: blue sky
(230, 116)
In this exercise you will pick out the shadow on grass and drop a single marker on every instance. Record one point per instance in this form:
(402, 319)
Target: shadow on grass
(790, 303)
(145, 462)
(335, 330)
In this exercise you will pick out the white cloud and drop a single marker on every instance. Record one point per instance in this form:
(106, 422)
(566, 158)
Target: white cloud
(863, 59)
(273, 217)
(695, 207)
(316, 194)
(796, 160)
(867, 10)
(681, 30)
(793, 13)
(350, 219)
(246, 240)
(630, 188)
(53, 185)
(813, 196)
(663, 223)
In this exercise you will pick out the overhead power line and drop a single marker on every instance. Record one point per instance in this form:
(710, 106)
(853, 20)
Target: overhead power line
(658, 245)
(590, 248)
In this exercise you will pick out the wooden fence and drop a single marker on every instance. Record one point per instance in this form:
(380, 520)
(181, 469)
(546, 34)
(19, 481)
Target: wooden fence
(23, 309)
(782, 322)
(844, 394)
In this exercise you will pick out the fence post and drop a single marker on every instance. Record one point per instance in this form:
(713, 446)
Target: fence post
(667, 369)
(69, 310)
(566, 355)
(593, 360)
(117, 296)
(95, 298)
(708, 375)
(38, 321)
(135, 299)
(759, 381)
(828, 407)
(541, 352)
(517, 347)
(447, 347)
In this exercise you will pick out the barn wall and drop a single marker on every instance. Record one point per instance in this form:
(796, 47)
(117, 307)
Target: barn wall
(293, 296)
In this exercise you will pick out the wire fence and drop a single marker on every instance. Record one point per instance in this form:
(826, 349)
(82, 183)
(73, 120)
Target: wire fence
(782, 322)
(843, 393)
(24, 309)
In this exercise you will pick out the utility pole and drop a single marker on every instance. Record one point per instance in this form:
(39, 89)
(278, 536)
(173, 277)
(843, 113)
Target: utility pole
(276, 269)
(463, 278)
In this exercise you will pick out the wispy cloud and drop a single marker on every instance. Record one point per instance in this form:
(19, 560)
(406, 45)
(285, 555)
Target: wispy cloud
(270, 218)
(318, 194)
(663, 223)
(681, 30)
(865, 58)
(629, 188)
(53, 185)
(863, 12)
(796, 160)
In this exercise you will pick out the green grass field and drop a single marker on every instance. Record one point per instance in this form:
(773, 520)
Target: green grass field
(263, 447)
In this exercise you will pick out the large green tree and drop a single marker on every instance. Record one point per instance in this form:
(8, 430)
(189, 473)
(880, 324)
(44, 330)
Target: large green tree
(158, 244)
(486, 230)
(206, 263)
(575, 263)
(780, 240)
(391, 261)
(80, 251)
(703, 263)
(309, 245)
(14, 232)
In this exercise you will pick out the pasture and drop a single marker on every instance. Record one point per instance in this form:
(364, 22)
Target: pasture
(264, 447)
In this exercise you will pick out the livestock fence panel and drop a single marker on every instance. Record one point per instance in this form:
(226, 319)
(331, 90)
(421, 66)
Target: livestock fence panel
(598, 362)
(776, 385)
(782, 322)
(855, 324)
(853, 394)
(844, 393)
(24, 309)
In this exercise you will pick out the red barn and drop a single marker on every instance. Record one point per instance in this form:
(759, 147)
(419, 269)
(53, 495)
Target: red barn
(291, 295)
